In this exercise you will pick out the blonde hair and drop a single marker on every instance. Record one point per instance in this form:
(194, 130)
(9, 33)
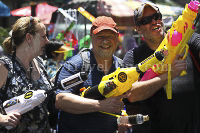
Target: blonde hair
(21, 27)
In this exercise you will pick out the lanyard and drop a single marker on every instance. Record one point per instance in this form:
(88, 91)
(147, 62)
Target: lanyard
(14, 58)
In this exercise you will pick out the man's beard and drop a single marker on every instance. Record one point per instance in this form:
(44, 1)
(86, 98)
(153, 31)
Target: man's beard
(105, 54)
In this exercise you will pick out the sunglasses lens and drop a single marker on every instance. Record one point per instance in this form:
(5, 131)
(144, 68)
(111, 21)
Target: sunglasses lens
(147, 20)
(157, 16)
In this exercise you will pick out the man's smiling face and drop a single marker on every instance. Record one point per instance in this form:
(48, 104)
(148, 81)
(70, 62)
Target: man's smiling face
(104, 43)
(151, 31)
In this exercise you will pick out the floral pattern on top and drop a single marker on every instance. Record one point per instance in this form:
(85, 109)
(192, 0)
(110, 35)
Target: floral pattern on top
(35, 120)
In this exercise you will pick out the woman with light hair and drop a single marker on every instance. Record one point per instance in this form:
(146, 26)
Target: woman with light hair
(22, 70)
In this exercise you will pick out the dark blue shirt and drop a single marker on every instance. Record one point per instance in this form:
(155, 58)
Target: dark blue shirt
(95, 122)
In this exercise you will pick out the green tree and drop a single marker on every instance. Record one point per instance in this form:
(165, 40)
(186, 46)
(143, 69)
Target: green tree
(4, 32)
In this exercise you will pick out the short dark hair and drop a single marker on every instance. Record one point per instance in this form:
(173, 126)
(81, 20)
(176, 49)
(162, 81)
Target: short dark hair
(53, 45)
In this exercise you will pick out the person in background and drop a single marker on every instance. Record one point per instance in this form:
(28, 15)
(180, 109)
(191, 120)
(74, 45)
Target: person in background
(79, 114)
(22, 70)
(181, 114)
(55, 51)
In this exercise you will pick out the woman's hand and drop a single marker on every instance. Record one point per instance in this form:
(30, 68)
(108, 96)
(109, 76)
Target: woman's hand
(11, 119)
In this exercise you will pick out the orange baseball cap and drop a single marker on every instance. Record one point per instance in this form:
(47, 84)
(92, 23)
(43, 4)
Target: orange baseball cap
(102, 23)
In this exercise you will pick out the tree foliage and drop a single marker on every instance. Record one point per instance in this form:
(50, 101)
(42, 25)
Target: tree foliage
(4, 32)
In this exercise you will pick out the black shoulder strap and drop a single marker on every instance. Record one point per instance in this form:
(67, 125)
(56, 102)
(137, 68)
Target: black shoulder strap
(56, 78)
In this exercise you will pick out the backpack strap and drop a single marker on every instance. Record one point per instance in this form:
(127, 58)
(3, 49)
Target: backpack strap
(120, 61)
(86, 60)
(56, 77)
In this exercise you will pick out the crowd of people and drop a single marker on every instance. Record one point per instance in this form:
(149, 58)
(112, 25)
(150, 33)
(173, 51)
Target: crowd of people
(22, 69)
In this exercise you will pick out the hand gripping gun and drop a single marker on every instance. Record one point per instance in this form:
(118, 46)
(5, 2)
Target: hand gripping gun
(121, 80)
(175, 42)
(31, 98)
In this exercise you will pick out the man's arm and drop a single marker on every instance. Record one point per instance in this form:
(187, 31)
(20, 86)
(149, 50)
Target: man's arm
(144, 89)
(78, 105)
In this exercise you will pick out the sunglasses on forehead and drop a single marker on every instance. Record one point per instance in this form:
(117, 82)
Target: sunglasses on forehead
(148, 19)
(31, 25)
(31, 22)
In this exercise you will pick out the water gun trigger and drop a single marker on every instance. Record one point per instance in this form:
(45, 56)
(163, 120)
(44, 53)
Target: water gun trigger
(183, 73)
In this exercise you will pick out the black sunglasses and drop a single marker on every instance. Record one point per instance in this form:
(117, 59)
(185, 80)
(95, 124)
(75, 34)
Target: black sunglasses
(148, 19)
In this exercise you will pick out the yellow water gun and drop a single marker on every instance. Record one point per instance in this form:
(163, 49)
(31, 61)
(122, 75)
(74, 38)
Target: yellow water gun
(86, 14)
(175, 42)
(121, 80)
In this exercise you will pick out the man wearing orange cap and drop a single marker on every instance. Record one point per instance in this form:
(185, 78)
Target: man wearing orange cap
(81, 115)
(181, 114)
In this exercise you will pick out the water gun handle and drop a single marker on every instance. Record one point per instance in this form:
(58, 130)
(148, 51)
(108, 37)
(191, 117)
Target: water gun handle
(183, 73)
